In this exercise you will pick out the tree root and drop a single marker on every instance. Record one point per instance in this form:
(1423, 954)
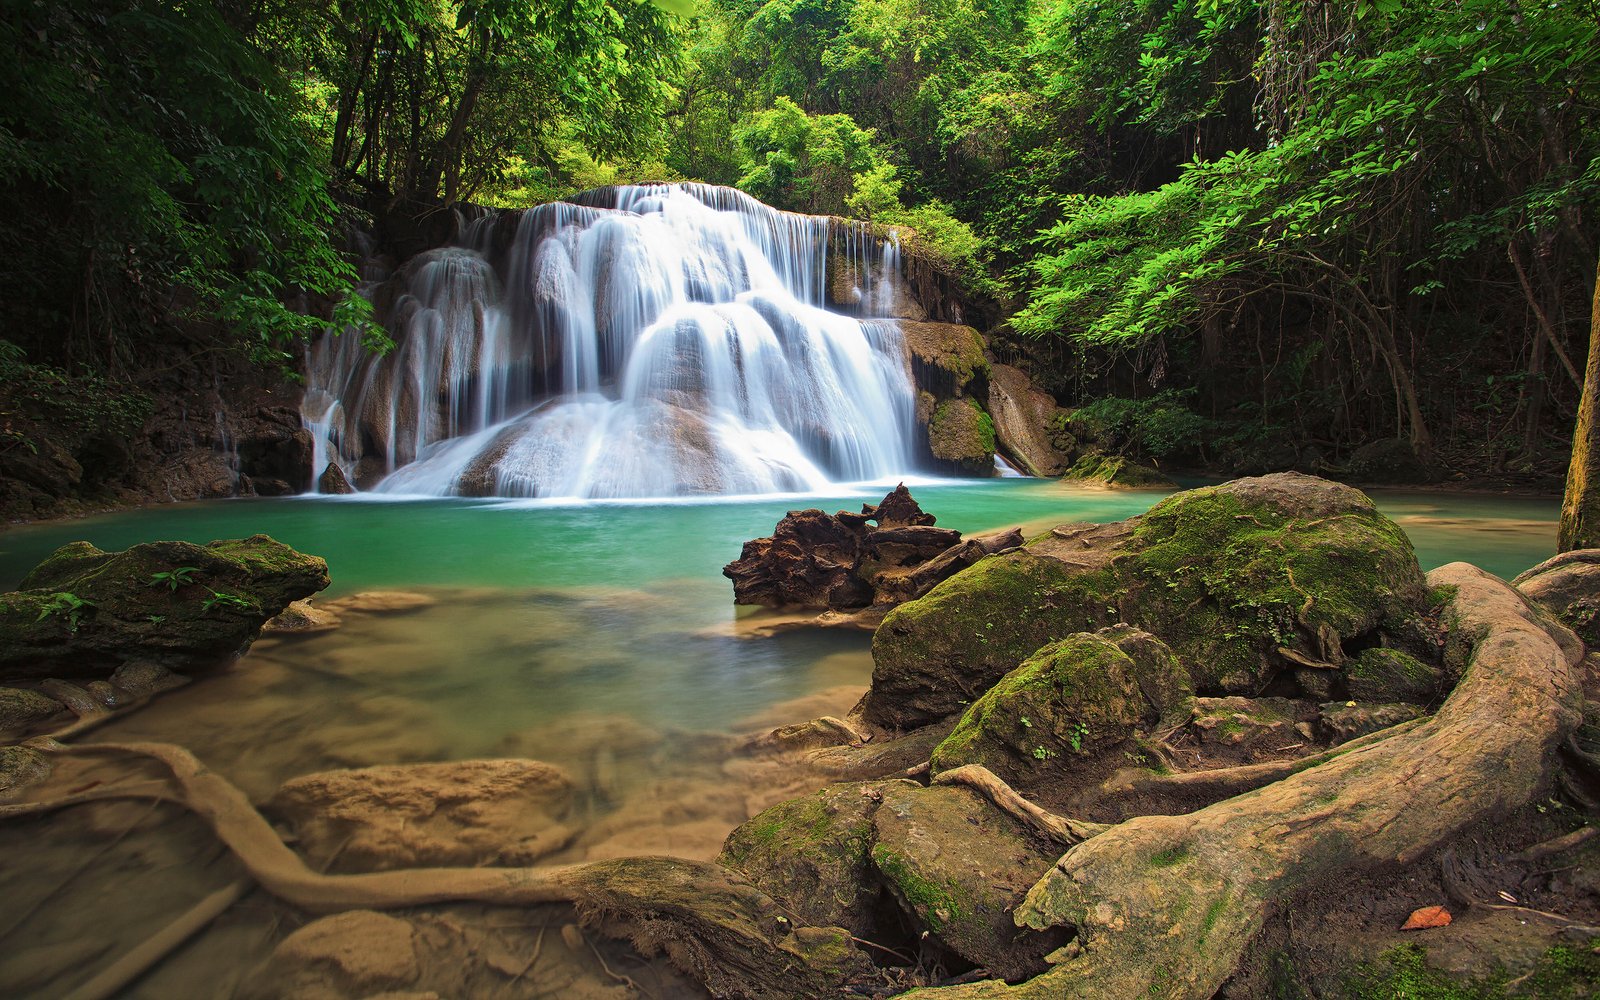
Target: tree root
(1214, 785)
(111, 980)
(1556, 845)
(709, 922)
(1165, 905)
(1060, 829)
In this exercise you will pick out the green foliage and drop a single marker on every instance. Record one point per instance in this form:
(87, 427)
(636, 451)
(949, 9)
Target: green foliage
(176, 158)
(1562, 973)
(69, 606)
(1160, 425)
(83, 404)
(174, 578)
(805, 162)
(226, 601)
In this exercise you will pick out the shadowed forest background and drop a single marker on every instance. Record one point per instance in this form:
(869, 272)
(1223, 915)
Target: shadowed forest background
(1348, 238)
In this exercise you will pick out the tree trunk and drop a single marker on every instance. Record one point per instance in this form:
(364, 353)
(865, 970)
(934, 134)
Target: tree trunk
(1580, 509)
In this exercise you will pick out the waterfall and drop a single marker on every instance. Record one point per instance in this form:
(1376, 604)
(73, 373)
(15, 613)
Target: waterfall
(642, 341)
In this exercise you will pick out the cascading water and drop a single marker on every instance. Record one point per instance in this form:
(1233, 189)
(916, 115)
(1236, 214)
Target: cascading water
(645, 341)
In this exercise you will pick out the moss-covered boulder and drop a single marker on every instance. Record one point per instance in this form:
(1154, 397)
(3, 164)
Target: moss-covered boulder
(1116, 471)
(1236, 721)
(21, 708)
(1073, 700)
(814, 854)
(961, 438)
(1568, 586)
(957, 866)
(85, 612)
(1392, 675)
(1244, 581)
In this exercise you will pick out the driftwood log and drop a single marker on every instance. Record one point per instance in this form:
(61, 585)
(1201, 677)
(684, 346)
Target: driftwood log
(1164, 906)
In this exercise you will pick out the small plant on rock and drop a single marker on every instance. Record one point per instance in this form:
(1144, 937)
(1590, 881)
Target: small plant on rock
(68, 606)
(218, 599)
(172, 579)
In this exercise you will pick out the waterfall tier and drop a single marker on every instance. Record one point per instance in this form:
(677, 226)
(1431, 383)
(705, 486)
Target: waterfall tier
(644, 341)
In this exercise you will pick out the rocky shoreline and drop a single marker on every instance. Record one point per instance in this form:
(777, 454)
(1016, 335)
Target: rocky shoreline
(1066, 739)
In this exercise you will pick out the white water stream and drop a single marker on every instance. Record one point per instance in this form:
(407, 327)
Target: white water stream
(654, 341)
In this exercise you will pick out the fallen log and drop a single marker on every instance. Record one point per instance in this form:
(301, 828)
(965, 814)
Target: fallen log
(1164, 906)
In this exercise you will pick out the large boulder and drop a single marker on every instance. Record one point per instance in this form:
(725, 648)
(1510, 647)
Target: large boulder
(463, 813)
(1073, 700)
(1024, 417)
(946, 359)
(815, 854)
(957, 867)
(85, 612)
(1117, 471)
(1244, 581)
(1568, 586)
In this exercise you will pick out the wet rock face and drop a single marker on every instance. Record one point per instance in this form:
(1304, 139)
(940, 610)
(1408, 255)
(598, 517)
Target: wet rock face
(1246, 582)
(185, 607)
(1023, 415)
(842, 562)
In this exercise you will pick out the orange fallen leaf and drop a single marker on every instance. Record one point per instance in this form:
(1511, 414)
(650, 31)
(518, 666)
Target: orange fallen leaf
(1428, 916)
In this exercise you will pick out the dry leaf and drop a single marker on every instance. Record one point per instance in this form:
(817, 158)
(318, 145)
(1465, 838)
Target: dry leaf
(1428, 916)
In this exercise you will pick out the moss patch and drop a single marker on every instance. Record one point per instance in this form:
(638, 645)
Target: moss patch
(961, 436)
(1115, 470)
(1562, 973)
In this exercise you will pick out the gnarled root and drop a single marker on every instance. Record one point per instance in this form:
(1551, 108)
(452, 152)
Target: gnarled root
(1060, 829)
(1165, 905)
(708, 921)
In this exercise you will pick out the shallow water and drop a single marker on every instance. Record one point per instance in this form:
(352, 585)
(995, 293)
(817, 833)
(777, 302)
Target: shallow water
(596, 637)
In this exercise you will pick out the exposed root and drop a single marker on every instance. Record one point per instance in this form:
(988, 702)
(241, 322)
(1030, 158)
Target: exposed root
(711, 924)
(115, 977)
(1165, 905)
(1556, 845)
(1060, 829)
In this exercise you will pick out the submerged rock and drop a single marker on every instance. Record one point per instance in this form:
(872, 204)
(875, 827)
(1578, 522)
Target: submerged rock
(361, 951)
(1073, 700)
(187, 607)
(21, 708)
(1242, 581)
(470, 812)
(301, 618)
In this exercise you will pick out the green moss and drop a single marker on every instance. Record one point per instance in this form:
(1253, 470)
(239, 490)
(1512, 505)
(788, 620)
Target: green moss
(938, 904)
(1170, 857)
(1078, 694)
(1116, 470)
(961, 434)
(1213, 914)
(1389, 675)
(1403, 973)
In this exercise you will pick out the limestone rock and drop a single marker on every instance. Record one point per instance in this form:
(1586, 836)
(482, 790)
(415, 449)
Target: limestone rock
(1024, 416)
(1568, 586)
(84, 612)
(961, 438)
(1344, 721)
(142, 677)
(1073, 700)
(1242, 580)
(21, 708)
(471, 812)
(957, 866)
(814, 854)
(334, 482)
(946, 358)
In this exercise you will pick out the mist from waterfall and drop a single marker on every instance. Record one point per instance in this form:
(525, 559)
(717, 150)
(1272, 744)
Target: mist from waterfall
(646, 341)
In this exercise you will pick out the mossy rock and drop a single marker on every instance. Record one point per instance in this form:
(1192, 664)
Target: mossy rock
(20, 769)
(1391, 675)
(946, 358)
(1116, 471)
(84, 612)
(1228, 576)
(1072, 701)
(961, 437)
(957, 867)
(1235, 720)
(21, 708)
(814, 855)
